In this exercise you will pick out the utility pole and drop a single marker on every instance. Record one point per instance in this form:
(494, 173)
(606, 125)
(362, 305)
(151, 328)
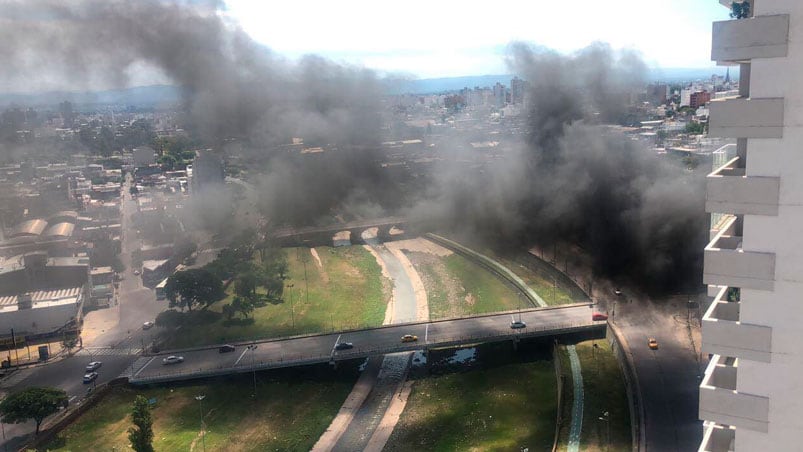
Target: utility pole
(200, 399)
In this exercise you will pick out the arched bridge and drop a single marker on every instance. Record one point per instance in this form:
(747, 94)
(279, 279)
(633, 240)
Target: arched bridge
(388, 228)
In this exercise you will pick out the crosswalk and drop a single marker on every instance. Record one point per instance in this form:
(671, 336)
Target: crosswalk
(108, 351)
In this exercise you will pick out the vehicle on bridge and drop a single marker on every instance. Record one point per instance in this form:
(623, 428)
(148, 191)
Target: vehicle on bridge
(226, 348)
(598, 316)
(172, 359)
(409, 338)
(344, 346)
(90, 377)
(517, 324)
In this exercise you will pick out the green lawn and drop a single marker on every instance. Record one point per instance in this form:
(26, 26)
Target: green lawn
(503, 408)
(289, 414)
(551, 292)
(457, 286)
(349, 291)
(603, 390)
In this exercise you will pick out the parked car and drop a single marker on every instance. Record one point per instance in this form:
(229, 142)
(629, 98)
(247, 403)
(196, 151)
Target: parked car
(653, 343)
(409, 338)
(172, 359)
(90, 377)
(147, 325)
(225, 348)
(344, 346)
(94, 365)
(598, 316)
(517, 324)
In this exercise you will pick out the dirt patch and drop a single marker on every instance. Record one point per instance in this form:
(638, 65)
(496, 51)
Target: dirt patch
(324, 275)
(470, 300)
(444, 292)
(420, 245)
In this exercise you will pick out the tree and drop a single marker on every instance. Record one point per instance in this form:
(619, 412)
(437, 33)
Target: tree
(32, 403)
(188, 288)
(242, 305)
(245, 285)
(169, 319)
(228, 311)
(141, 434)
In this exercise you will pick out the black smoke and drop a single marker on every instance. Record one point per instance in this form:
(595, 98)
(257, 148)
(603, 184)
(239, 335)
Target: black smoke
(238, 95)
(576, 179)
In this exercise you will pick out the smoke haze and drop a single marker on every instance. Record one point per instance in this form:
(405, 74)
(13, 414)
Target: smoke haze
(237, 92)
(577, 180)
(571, 179)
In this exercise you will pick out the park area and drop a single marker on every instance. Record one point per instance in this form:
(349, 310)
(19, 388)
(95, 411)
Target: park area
(603, 392)
(503, 401)
(324, 289)
(290, 411)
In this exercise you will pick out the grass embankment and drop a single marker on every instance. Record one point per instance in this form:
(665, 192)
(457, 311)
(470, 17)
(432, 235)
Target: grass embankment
(548, 289)
(503, 408)
(288, 413)
(603, 390)
(346, 291)
(457, 287)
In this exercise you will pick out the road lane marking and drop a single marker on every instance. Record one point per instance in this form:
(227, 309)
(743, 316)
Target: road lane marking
(335, 346)
(241, 356)
(146, 365)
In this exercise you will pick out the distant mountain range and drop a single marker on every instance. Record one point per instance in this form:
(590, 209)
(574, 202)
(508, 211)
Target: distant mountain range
(156, 95)
(142, 96)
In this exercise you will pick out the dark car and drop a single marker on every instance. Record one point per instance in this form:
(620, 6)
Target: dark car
(344, 346)
(226, 348)
(517, 324)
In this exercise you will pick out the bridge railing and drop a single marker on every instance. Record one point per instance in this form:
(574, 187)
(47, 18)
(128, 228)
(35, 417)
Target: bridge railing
(250, 364)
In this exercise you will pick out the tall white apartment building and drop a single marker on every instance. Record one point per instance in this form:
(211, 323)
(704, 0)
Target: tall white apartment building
(751, 396)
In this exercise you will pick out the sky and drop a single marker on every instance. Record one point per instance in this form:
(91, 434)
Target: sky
(446, 38)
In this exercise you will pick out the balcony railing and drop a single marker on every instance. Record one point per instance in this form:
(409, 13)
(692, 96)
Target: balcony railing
(730, 190)
(717, 438)
(724, 333)
(756, 37)
(746, 118)
(720, 402)
(726, 263)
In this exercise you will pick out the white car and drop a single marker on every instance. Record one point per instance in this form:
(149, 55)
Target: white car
(94, 365)
(90, 377)
(147, 325)
(173, 360)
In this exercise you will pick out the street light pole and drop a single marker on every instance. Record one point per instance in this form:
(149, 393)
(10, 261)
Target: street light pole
(200, 399)
(606, 418)
(253, 347)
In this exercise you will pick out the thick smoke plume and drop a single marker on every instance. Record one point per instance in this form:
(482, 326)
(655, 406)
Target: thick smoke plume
(639, 215)
(237, 92)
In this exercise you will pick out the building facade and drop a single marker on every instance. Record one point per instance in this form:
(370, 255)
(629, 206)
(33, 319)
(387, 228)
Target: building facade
(750, 395)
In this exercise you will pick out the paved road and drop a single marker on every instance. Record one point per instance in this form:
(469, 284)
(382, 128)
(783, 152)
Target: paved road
(116, 346)
(312, 349)
(667, 376)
